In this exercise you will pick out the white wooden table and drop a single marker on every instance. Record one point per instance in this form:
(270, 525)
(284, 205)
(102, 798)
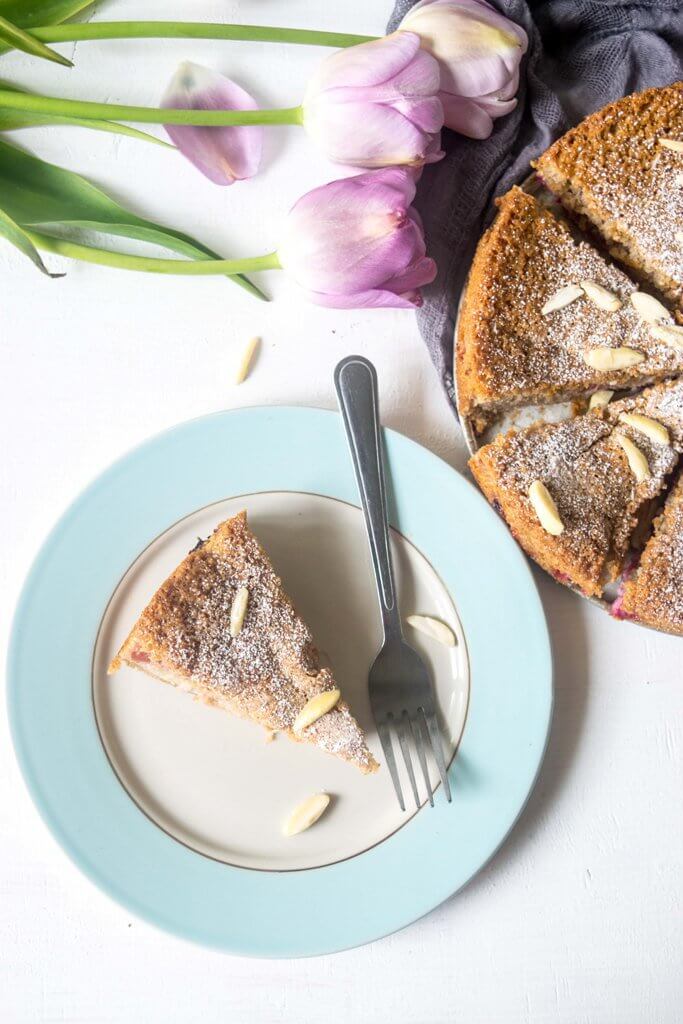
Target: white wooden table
(578, 919)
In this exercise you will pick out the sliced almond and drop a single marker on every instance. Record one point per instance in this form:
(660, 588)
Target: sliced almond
(600, 399)
(675, 145)
(679, 236)
(562, 298)
(636, 460)
(656, 431)
(315, 708)
(435, 628)
(604, 358)
(670, 334)
(545, 508)
(601, 297)
(238, 611)
(648, 307)
(246, 358)
(306, 814)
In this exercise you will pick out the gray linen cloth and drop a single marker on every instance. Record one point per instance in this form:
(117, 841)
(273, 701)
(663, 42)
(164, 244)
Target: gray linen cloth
(582, 54)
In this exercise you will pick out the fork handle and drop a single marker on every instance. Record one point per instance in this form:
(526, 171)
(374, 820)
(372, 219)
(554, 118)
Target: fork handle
(355, 380)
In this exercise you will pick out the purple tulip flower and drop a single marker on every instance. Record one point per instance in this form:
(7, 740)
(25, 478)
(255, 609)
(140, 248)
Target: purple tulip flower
(224, 155)
(376, 104)
(479, 52)
(358, 242)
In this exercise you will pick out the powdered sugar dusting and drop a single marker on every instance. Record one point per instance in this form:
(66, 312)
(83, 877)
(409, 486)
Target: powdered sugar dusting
(271, 668)
(526, 356)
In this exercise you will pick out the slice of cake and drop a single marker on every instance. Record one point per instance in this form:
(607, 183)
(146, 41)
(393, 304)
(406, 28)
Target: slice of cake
(654, 593)
(575, 493)
(546, 318)
(223, 628)
(621, 170)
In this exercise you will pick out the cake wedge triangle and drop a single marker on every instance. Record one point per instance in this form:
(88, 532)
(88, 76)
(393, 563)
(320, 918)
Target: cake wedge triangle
(223, 628)
(620, 171)
(578, 495)
(546, 318)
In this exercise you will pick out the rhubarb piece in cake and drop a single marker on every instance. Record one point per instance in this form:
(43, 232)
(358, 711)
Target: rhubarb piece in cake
(653, 594)
(223, 628)
(546, 318)
(620, 169)
(575, 493)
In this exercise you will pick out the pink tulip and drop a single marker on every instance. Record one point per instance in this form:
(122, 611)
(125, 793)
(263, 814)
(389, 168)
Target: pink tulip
(224, 155)
(479, 51)
(376, 104)
(358, 242)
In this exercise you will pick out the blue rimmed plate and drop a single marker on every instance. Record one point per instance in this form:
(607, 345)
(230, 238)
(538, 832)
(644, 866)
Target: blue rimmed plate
(174, 808)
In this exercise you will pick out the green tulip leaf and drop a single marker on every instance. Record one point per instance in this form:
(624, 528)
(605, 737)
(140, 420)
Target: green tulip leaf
(29, 13)
(15, 234)
(12, 35)
(36, 193)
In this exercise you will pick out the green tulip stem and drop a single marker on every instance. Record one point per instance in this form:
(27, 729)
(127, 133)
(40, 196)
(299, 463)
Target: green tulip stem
(144, 115)
(79, 32)
(125, 261)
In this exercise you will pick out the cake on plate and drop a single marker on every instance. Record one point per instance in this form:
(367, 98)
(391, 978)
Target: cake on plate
(577, 494)
(223, 628)
(653, 593)
(546, 317)
(621, 171)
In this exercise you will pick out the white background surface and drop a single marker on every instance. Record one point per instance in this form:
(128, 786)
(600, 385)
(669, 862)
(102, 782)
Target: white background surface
(578, 919)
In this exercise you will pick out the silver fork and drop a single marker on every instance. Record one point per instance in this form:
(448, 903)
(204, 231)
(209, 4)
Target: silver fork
(400, 688)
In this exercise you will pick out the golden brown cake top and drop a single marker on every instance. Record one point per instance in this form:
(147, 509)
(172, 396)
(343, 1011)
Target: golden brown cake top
(509, 350)
(270, 669)
(583, 465)
(588, 477)
(625, 178)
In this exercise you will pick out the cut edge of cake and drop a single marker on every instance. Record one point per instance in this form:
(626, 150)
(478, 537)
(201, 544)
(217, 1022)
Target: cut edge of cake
(652, 593)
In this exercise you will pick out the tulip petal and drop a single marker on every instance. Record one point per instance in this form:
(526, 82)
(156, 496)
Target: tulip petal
(365, 134)
(477, 48)
(466, 116)
(422, 272)
(367, 64)
(374, 299)
(224, 155)
(425, 114)
(353, 235)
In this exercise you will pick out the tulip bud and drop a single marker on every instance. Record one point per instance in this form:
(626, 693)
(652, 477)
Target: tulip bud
(357, 242)
(479, 51)
(376, 104)
(224, 155)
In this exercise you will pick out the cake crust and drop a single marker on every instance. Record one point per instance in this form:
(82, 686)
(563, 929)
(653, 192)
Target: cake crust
(266, 673)
(653, 595)
(612, 171)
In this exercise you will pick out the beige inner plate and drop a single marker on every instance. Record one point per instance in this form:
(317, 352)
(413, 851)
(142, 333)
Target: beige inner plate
(212, 781)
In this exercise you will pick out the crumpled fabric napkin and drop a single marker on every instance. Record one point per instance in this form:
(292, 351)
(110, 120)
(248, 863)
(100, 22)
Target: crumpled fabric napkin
(582, 55)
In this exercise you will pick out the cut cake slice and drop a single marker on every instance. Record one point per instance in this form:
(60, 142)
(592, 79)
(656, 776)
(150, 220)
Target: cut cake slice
(513, 350)
(596, 487)
(268, 671)
(619, 171)
(653, 594)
